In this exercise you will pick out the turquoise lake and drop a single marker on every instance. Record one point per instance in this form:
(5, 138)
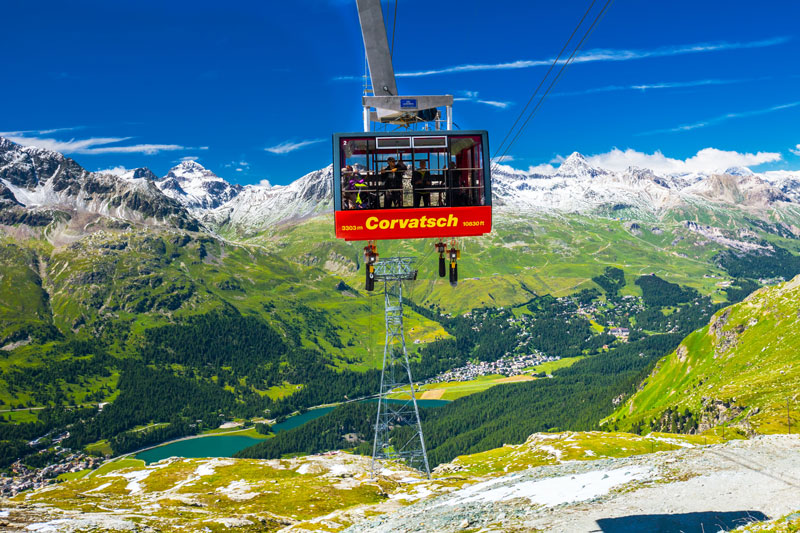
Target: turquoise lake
(227, 445)
(211, 446)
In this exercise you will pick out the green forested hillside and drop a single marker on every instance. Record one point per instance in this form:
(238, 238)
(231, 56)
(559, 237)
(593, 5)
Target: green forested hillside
(172, 327)
(742, 369)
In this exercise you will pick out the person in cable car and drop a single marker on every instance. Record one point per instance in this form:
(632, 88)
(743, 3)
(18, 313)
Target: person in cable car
(363, 199)
(453, 185)
(421, 183)
(350, 192)
(392, 179)
(400, 175)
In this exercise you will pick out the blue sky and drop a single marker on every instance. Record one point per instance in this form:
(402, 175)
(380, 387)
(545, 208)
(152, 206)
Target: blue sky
(254, 90)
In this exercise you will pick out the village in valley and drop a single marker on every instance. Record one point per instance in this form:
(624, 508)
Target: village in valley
(606, 317)
(511, 365)
(24, 477)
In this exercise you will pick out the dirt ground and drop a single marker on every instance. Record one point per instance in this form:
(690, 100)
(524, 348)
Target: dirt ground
(708, 488)
(514, 379)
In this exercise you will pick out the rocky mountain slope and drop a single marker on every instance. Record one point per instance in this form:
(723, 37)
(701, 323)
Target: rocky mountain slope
(562, 482)
(261, 207)
(197, 188)
(637, 193)
(38, 183)
(743, 370)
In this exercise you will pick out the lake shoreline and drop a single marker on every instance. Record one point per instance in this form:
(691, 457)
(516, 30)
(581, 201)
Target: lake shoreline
(291, 422)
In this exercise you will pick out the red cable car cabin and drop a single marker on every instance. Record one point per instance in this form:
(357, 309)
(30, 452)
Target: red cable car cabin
(411, 185)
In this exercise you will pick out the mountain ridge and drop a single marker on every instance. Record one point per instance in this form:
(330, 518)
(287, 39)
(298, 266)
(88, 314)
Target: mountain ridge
(575, 187)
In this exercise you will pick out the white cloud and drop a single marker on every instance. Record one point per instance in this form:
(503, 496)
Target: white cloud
(722, 118)
(264, 183)
(148, 149)
(472, 96)
(503, 159)
(706, 160)
(289, 146)
(94, 145)
(117, 171)
(545, 169)
(39, 132)
(238, 166)
(601, 55)
(795, 150)
(494, 103)
(189, 158)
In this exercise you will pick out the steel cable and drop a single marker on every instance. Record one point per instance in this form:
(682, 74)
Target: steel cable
(558, 76)
(544, 78)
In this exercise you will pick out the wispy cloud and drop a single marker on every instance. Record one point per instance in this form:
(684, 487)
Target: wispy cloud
(40, 132)
(90, 146)
(238, 166)
(722, 118)
(598, 55)
(290, 146)
(472, 96)
(148, 149)
(654, 86)
(795, 150)
(503, 159)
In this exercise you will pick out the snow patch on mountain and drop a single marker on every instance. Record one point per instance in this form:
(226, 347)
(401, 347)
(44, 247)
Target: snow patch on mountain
(258, 207)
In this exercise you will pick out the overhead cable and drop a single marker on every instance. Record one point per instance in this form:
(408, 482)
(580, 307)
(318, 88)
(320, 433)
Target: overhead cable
(553, 82)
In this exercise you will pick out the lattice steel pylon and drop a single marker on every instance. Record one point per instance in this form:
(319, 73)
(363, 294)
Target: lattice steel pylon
(396, 375)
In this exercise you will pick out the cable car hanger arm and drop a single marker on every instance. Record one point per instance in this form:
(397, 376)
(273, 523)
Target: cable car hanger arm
(389, 105)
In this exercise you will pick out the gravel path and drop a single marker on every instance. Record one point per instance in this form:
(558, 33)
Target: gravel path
(698, 489)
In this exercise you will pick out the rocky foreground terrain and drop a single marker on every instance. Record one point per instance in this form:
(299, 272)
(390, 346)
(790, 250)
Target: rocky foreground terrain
(572, 482)
(713, 488)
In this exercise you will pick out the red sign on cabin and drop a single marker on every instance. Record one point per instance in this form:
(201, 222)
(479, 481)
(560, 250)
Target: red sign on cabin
(419, 223)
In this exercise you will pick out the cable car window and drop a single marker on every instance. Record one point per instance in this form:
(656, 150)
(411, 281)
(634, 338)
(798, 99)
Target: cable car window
(393, 142)
(430, 142)
(467, 173)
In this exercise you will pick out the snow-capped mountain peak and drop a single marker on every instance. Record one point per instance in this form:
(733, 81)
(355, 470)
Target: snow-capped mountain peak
(197, 187)
(739, 171)
(577, 166)
(191, 170)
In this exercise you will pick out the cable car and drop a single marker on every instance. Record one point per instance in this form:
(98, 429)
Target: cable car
(412, 185)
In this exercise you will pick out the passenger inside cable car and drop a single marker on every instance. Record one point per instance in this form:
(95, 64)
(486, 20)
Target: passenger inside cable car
(444, 170)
